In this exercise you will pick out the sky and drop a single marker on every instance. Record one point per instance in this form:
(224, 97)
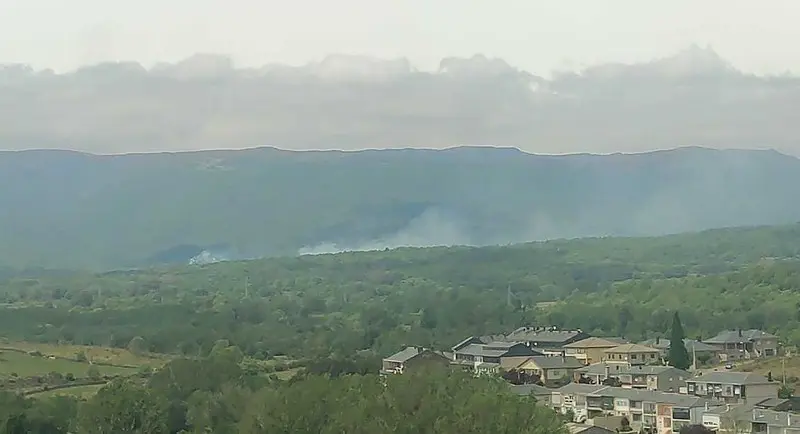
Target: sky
(538, 36)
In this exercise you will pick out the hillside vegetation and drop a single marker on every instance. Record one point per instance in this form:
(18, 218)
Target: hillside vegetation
(78, 211)
(317, 306)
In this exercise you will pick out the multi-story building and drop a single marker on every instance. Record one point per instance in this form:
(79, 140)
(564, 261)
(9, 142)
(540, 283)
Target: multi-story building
(633, 354)
(749, 419)
(592, 349)
(733, 387)
(649, 377)
(550, 370)
(412, 357)
(659, 412)
(548, 340)
(490, 357)
(744, 344)
(703, 352)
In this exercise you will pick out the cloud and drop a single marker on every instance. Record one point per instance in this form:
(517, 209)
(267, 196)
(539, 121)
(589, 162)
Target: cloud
(353, 102)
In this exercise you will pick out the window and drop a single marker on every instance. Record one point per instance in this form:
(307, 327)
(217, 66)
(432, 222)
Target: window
(633, 356)
(652, 356)
(637, 417)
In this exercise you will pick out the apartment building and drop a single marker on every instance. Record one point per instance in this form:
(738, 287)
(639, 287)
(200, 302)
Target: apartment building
(657, 412)
(733, 387)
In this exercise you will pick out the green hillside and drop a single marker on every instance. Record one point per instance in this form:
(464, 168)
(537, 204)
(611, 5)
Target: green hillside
(64, 210)
(319, 305)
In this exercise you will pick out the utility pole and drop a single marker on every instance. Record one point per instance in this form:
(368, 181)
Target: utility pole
(783, 370)
(246, 286)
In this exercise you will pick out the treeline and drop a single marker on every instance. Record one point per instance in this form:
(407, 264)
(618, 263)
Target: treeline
(316, 306)
(217, 395)
(763, 296)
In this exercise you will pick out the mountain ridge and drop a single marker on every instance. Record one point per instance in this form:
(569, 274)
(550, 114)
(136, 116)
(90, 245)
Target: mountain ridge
(72, 210)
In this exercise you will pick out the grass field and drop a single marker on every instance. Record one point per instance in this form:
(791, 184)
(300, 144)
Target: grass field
(115, 356)
(776, 366)
(25, 365)
(81, 392)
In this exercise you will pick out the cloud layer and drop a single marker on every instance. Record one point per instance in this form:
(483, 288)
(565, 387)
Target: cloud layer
(353, 102)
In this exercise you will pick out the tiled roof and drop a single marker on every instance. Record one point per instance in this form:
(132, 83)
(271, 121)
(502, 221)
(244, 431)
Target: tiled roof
(481, 350)
(529, 389)
(691, 344)
(722, 377)
(554, 362)
(676, 399)
(404, 355)
(409, 353)
(732, 336)
(593, 342)
(631, 348)
(544, 336)
(623, 369)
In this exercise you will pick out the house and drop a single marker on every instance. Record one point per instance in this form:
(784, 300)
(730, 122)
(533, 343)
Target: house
(540, 393)
(548, 340)
(490, 357)
(549, 369)
(632, 354)
(649, 377)
(645, 409)
(579, 428)
(592, 349)
(744, 344)
(412, 357)
(748, 419)
(704, 352)
(733, 387)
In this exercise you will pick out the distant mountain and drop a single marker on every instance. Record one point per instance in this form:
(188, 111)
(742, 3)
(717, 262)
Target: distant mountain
(694, 97)
(63, 209)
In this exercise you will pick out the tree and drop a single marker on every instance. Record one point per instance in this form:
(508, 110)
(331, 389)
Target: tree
(93, 372)
(124, 407)
(678, 355)
(137, 346)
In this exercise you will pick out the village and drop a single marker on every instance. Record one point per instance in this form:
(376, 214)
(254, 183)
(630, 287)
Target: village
(610, 385)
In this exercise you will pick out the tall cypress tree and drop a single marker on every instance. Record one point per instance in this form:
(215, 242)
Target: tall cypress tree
(678, 355)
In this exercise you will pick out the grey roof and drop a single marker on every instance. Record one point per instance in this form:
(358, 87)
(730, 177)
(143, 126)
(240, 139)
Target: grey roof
(622, 369)
(578, 428)
(600, 368)
(691, 345)
(404, 355)
(481, 350)
(409, 353)
(631, 348)
(676, 399)
(724, 377)
(501, 345)
(732, 336)
(578, 388)
(530, 389)
(554, 362)
(596, 342)
(544, 336)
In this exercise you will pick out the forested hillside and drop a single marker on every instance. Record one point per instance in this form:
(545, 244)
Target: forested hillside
(316, 306)
(217, 395)
(71, 210)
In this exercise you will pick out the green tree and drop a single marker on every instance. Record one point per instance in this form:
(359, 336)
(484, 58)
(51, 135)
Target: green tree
(93, 372)
(124, 407)
(137, 346)
(678, 355)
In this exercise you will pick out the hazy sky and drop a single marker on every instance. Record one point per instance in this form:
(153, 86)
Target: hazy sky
(539, 36)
